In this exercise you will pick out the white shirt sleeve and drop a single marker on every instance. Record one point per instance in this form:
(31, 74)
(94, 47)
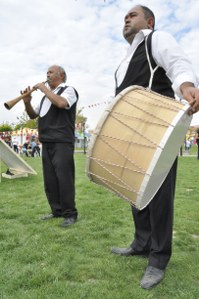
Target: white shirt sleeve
(168, 54)
(36, 109)
(70, 95)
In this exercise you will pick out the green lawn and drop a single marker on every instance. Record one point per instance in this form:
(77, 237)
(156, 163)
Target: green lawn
(40, 260)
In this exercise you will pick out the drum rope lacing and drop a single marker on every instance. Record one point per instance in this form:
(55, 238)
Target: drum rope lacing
(141, 170)
(113, 189)
(127, 141)
(135, 131)
(108, 182)
(101, 161)
(169, 106)
(117, 165)
(138, 118)
(112, 114)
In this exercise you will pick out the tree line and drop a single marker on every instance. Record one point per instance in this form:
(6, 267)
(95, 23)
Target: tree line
(25, 122)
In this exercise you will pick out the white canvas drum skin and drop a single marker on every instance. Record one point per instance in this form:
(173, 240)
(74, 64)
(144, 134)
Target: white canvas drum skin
(135, 144)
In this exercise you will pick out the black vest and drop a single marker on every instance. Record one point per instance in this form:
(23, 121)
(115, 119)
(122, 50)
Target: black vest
(57, 125)
(138, 72)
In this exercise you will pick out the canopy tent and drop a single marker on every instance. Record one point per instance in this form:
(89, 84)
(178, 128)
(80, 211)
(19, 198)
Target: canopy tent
(17, 167)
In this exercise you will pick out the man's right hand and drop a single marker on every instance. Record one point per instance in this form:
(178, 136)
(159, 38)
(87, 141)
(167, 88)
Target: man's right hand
(27, 95)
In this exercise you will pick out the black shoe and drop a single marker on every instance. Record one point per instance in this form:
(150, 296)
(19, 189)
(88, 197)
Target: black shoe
(48, 217)
(152, 277)
(68, 221)
(127, 251)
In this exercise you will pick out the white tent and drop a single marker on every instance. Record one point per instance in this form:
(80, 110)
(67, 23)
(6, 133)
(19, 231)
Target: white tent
(17, 167)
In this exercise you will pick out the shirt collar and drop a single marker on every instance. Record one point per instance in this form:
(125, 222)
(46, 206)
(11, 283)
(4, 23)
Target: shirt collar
(138, 39)
(59, 86)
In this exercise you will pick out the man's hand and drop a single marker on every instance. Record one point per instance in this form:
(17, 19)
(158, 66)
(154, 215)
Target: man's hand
(27, 102)
(27, 97)
(42, 87)
(191, 94)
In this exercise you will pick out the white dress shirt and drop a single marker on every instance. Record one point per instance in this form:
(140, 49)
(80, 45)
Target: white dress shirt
(69, 94)
(167, 54)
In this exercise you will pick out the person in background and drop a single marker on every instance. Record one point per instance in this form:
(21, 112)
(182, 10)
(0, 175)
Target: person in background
(15, 146)
(37, 148)
(171, 72)
(25, 149)
(33, 147)
(197, 142)
(57, 113)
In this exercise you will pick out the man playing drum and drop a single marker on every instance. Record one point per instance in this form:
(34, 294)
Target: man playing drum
(174, 74)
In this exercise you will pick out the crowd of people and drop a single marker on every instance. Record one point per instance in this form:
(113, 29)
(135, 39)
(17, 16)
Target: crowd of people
(30, 148)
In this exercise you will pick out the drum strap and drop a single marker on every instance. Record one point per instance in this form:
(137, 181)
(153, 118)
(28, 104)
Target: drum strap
(152, 71)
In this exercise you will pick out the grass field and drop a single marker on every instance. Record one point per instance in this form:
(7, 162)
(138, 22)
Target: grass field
(40, 260)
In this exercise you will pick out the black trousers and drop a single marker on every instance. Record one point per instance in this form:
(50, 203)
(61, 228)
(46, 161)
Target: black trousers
(154, 224)
(59, 178)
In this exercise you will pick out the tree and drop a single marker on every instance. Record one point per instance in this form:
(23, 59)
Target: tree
(80, 119)
(25, 122)
(5, 127)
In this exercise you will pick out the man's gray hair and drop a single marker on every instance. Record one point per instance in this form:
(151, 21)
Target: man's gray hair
(62, 71)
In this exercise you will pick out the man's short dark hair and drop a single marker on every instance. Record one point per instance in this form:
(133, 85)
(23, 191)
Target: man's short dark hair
(148, 13)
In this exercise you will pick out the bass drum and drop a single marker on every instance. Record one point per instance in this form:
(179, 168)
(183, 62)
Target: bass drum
(135, 144)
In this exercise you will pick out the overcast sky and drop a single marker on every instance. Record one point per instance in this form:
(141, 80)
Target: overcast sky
(83, 36)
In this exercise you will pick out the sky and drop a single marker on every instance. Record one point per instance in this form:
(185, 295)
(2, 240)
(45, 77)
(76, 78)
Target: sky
(85, 38)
